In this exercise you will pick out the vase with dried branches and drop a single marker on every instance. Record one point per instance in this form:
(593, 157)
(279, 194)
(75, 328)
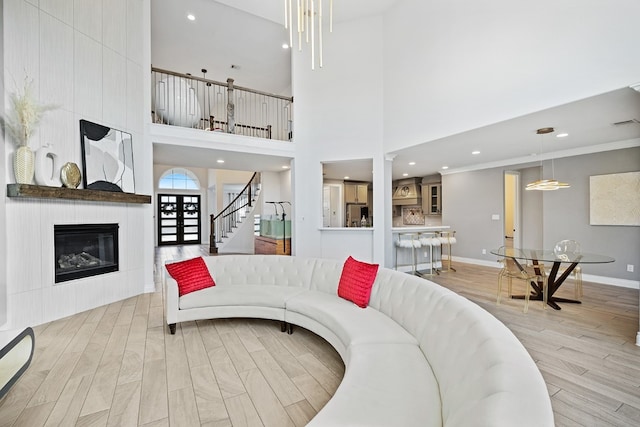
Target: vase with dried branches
(19, 124)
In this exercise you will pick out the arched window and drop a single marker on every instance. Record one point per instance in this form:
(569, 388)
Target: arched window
(179, 179)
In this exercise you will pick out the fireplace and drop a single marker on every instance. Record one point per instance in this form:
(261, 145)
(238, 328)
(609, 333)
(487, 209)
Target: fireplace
(85, 250)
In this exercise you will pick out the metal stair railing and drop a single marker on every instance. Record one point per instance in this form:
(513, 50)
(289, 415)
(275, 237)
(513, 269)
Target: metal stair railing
(225, 221)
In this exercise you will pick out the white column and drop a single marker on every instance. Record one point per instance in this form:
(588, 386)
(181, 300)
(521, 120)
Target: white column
(382, 215)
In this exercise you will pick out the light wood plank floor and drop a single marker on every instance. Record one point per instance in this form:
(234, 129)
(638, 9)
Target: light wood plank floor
(586, 352)
(118, 365)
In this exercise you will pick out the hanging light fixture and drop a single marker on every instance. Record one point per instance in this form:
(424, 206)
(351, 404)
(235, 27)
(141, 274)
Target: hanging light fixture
(546, 184)
(309, 14)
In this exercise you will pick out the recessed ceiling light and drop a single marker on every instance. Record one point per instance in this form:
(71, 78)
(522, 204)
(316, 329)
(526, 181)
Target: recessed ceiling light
(445, 167)
(412, 163)
(405, 174)
(475, 152)
(285, 45)
(285, 167)
(191, 17)
(220, 161)
(562, 135)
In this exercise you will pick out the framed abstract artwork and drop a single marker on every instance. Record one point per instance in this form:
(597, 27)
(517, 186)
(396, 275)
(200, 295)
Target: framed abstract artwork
(107, 158)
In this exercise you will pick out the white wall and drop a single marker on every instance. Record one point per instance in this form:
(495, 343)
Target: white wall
(276, 187)
(338, 111)
(3, 229)
(472, 198)
(452, 66)
(447, 67)
(228, 177)
(566, 212)
(285, 189)
(468, 203)
(91, 59)
(532, 209)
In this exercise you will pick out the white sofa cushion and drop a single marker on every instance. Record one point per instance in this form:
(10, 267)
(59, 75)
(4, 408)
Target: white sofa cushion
(405, 298)
(326, 276)
(278, 270)
(352, 324)
(239, 295)
(484, 372)
(384, 385)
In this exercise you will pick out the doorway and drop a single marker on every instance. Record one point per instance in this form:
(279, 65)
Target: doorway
(512, 232)
(179, 219)
(332, 206)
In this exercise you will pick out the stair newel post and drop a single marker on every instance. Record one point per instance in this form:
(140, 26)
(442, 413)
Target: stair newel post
(231, 119)
(213, 249)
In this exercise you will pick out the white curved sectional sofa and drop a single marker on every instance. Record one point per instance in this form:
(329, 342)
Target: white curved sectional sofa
(418, 355)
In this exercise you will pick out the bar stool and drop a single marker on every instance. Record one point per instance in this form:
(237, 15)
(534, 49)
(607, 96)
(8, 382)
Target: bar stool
(447, 238)
(409, 241)
(431, 240)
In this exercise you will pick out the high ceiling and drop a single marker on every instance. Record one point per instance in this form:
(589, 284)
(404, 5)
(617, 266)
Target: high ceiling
(219, 37)
(249, 35)
(589, 124)
(166, 154)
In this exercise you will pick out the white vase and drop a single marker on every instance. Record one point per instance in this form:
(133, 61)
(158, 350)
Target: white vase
(47, 167)
(23, 165)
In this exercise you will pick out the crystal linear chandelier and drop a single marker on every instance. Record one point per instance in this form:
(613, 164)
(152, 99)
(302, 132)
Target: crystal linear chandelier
(309, 14)
(547, 184)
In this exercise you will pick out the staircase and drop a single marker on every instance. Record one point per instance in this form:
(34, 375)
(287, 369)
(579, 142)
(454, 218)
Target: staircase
(226, 224)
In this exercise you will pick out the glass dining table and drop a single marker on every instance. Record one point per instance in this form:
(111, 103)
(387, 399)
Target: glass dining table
(538, 257)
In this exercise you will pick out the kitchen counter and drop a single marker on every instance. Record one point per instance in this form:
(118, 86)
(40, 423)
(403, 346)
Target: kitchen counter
(346, 229)
(419, 229)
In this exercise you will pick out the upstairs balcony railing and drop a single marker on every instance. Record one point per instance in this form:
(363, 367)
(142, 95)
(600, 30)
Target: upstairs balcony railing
(199, 103)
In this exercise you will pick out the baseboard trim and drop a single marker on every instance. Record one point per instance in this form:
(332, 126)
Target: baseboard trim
(483, 262)
(611, 281)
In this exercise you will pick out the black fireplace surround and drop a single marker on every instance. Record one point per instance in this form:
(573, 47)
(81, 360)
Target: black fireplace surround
(85, 250)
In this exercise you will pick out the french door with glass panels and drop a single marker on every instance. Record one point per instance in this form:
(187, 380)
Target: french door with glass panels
(179, 220)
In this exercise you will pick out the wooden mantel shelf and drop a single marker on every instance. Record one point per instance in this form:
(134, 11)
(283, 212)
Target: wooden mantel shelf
(43, 192)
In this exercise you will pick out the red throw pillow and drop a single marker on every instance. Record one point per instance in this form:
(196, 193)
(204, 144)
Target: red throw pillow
(356, 281)
(191, 275)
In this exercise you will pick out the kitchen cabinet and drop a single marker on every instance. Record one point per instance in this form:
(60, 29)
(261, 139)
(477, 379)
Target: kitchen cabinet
(432, 199)
(355, 193)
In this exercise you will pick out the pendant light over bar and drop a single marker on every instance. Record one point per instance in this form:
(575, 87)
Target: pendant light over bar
(546, 184)
(309, 16)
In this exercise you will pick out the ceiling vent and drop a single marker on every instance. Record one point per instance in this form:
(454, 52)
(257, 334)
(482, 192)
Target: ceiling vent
(627, 122)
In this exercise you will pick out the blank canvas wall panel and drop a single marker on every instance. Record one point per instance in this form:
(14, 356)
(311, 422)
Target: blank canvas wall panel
(615, 199)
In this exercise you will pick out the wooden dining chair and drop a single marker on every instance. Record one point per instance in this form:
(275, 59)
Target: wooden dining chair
(510, 271)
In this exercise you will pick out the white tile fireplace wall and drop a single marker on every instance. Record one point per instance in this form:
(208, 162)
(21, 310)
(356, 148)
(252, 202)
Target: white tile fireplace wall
(91, 59)
(33, 297)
